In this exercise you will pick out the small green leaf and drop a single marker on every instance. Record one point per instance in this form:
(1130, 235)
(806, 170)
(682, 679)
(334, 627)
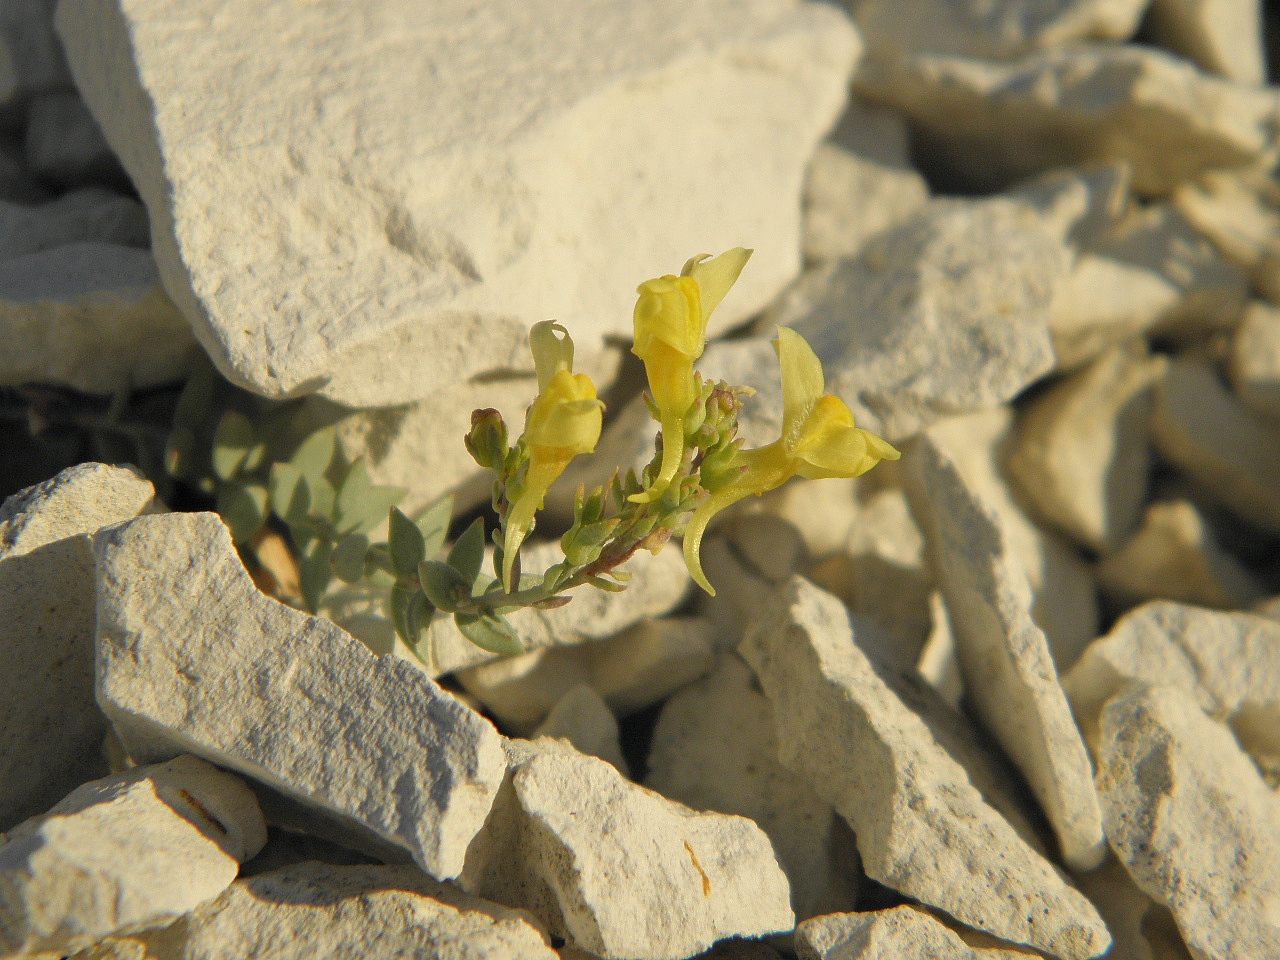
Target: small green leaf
(494, 634)
(314, 573)
(232, 442)
(467, 554)
(315, 454)
(408, 546)
(322, 497)
(243, 508)
(290, 495)
(434, 524)
(196, 397)
(359, 505)
(399, 609)
(608, 586)
(442, 584)
(347, 559)
(419, 618)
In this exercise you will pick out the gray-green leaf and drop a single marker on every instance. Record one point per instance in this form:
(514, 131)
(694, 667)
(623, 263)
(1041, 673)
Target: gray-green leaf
(290, 494)
(233, 440)
(442, 584)
(243, 508)
(347, 560)
(494, 634)
(467, 554)
(314, 573)
(315, 454)
(434, 524)
(408, 546)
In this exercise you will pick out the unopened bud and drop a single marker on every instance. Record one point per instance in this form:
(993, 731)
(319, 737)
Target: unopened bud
(487, 439)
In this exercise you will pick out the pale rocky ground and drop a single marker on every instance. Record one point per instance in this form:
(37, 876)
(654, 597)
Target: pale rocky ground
(1016, 695)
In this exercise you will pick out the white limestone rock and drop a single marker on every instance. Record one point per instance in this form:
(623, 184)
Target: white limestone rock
(638, 667)
(315, 909)
(1141, 928)
(1192, 821)
(88, 215)
(190, 656)
(92, 316)
(1239, 210)
(886, 935)
(1081, 451)
(714, 748)
(924, 322)
(50, 728)
(583, 719)
(1227, 448)
(31, 60)
(888, 756)
(1065, 604)
(134, 850)
(1254, 362)
(658, 585)
(1081, 103)
(618, 870)
(860, 182)
(1228, 664)
(1153, 272)
(1175, 555)
(1221, 36)
(1010, 678)
(991, 31)
(1080, 205)
(823, 513)
(424, 182)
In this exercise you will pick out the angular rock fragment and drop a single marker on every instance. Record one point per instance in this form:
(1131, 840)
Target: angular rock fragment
(190, 656)
(886, 935)
(1079, 205)
(419, 201)
(989, 31)
(1254, 362)
(860, 182)
(50, 728)
(583, 718)
(88, 215)
(1221, 36)
(1227, 663)
(133, 850)
(1141, 928)
(1081, 450)
(943, 325)
(92, 316)
(714, 748)
(1224, 446)
(1176, 556)
(1192, 821)
(1008, 669)
(312, 909)
(566, 830)
(885, 756)
(1078, 104)
(1239, 210)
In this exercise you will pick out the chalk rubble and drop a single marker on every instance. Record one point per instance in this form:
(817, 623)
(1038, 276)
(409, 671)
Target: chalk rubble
(1254, 362)
(1221, 36)
(887, 935)
(50, 728)
(583, 719)
(191, 657)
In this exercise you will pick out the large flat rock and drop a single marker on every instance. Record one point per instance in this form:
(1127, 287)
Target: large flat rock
(191, 657)
(331, 186)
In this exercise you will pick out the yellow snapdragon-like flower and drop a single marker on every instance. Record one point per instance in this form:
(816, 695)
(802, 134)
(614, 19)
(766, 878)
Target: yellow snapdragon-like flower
(819, 441)
(563, 421)
(670, 334)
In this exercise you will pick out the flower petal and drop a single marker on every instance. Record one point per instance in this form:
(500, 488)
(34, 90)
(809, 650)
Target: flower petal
(802, 380)
(716, 277)
(669, 309)
(551, 354)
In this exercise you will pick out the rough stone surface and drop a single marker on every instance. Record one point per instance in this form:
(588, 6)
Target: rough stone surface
(1226, 663)
(583, 718)
(313, 909)
(750, 555)
(50, 729)
(290, 700)
(88, 215)
(1228, 449)
(883, 751)
(1141, 928)
(133, 850)
(1222, 36)
(1077, 104)
(566, 829)
(1192, 821)
(1080, 205)
(1009, 672)
(92, 316)
(823, 513)
(1239, 210)
(1254, 362)
(943, 325)
(1152, 272)
(1081, 451)
(714, 748)
(989, 31)
(1176, 556)
(1065, 604)
(886, 935)
(426, 182)
(860, 182)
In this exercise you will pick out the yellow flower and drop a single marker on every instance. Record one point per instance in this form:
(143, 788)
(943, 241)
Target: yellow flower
(563, 421)
(670, 334)
(819, 441)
